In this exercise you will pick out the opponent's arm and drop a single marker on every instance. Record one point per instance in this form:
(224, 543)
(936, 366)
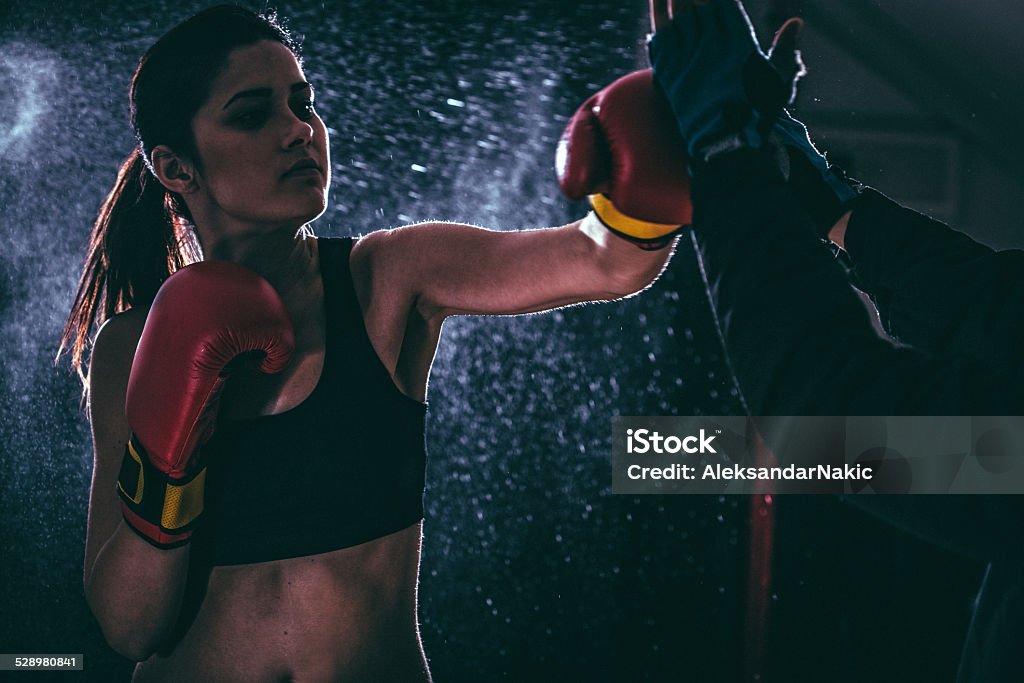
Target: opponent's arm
(800, 344)
(935, 288)
(799, 341)
(798, 338)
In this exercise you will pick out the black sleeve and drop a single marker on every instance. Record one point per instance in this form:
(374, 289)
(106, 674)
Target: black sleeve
(937, 289)
(800, 342)
(799, 339)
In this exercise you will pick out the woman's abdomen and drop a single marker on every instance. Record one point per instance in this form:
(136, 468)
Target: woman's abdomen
(344, 615)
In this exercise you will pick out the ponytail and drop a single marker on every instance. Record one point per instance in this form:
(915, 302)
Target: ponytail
(142, 234)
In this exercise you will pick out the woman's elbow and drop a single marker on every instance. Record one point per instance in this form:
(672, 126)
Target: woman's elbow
(132, 643)
(123, 635)
(628, 283)
(131, 647)
(634, 276)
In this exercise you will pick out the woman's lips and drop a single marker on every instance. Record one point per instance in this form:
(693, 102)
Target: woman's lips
(303, 167)
(304, 172)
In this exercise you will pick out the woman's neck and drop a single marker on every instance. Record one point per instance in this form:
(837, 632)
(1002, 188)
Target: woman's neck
(284, 259)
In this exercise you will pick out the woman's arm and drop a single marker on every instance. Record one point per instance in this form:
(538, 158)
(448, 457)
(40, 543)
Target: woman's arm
(621, 149)
(454, 269)
(133, 588)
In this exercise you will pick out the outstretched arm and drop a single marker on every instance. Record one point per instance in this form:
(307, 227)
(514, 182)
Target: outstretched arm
(621, 149)
(455, 269)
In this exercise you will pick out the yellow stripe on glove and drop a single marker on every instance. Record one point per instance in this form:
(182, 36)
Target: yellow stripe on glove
(627, 226)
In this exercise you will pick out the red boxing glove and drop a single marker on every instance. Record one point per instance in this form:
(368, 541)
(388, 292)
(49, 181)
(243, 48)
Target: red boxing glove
(203, 317)
(624, 150)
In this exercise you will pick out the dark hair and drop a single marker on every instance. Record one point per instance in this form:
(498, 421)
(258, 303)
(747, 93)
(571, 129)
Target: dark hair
(143, 233)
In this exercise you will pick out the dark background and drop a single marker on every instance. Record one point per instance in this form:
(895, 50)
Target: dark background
(531, 570)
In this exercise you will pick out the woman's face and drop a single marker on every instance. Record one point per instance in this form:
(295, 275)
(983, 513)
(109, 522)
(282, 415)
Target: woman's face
(257, 124)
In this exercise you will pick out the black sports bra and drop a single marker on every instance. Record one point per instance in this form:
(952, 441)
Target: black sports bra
(342, 468)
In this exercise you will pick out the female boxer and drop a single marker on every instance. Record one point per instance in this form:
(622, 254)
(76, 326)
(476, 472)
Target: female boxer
(256, 503)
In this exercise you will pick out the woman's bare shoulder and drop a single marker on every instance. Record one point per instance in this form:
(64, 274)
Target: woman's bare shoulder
(366, 248)
(121, 332)
(367, 263)
(114, 348)
(395, 253)
(407, 240)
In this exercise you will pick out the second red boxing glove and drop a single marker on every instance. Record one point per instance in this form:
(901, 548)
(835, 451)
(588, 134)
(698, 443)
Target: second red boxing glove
(622, 149)
(203, 317)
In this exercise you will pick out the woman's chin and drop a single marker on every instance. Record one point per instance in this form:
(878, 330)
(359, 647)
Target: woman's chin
(316, 213)
(310, 210)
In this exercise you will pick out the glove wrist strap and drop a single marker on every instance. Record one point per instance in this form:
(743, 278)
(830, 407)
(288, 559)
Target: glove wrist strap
(645, 234)
(161, 508)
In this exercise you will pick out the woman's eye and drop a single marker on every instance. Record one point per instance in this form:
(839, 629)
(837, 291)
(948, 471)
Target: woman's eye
(305, 110)
(249, 119)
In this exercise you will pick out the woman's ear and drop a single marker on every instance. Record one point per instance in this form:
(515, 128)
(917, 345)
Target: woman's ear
(174, 172)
